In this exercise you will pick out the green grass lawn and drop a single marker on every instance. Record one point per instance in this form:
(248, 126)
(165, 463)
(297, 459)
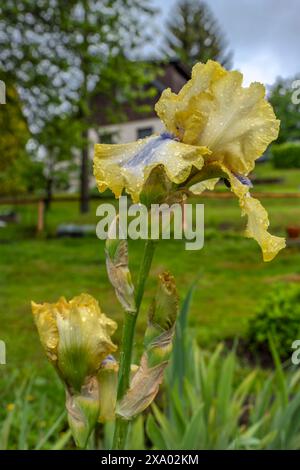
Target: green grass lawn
(233, 277)
(290, 178)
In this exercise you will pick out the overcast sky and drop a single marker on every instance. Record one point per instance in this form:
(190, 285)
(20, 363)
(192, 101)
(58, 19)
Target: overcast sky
(264, 35)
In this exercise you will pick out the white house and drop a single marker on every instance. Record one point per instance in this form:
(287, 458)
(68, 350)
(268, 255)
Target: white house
(136, 125)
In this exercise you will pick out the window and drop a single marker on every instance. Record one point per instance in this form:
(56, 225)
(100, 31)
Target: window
(144, 132)
(108, 137)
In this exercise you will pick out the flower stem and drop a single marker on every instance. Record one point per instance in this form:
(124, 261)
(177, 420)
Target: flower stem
(150, 246)
(121, 426)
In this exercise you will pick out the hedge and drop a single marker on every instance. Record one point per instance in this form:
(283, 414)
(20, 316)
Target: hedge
(286, 155)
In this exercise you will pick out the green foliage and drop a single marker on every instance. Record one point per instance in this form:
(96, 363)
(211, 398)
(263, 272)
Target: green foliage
(203, 406)
(279, 315)
(84, 54)
(285, 109)
(220, 406)
(136, 436)
(223, 407)
(277, 407)
(32, 415)
(286, 155)
(75, 263)
(180, 343)
(208, 411)
(193, 34)
(13, 138)
(33, 177)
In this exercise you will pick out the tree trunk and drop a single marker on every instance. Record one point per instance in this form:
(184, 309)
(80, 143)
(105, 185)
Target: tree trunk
(49, 193)
(84, 176)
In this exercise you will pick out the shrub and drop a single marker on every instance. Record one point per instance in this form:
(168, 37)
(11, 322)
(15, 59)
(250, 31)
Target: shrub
(278, 315)
(286, 155)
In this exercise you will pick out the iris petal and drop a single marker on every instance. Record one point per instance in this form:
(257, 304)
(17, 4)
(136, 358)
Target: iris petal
(75, 334)
(258, 221)
(198, 188)
(129, 165)
(214, 110)
(218, 129)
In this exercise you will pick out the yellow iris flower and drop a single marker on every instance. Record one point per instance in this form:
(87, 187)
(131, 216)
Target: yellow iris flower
(215, 128)
(76, 336)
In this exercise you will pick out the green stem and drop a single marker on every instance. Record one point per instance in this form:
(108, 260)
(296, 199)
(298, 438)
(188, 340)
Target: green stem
(126, 353)
(121, 427)
(144, 271)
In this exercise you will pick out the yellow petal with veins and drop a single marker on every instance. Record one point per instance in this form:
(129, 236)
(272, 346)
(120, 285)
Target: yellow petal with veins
(179, 112)
(258, 221)
(214, 110)
(76, 336)
(209, 185)
(129, 165)
(84, 331)
(217, 126)
(45, 320)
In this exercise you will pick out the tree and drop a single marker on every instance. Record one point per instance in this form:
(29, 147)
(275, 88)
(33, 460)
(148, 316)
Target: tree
(62, 53)
(286, 109)
(14, 135)
(56, 145)
(193, 35)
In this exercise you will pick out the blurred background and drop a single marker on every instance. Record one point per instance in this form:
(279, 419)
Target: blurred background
(78, 72)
